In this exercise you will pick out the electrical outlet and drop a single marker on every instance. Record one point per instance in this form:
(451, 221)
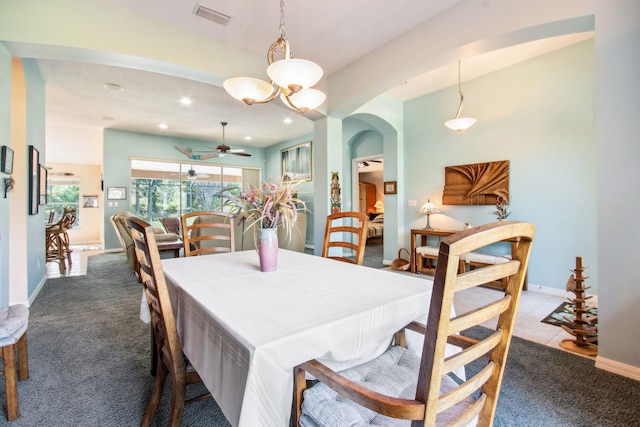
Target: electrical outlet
(411, 202)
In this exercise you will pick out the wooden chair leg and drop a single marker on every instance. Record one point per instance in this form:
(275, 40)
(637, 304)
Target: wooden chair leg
(23, 358)
(8, 354)
(156, 395)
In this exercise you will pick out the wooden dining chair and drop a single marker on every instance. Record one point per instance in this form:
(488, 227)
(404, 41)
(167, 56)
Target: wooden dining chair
(171, 359)
(346, 234)
(402, 384)
(206, 232)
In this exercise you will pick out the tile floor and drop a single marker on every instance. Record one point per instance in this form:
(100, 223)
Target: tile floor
(534, 306)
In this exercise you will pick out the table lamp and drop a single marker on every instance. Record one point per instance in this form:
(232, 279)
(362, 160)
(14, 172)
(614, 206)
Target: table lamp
(379, 206)
(428, 209)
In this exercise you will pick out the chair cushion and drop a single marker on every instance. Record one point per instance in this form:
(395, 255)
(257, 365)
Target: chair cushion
(166, 237)
(13, 323)
(427, 250)
(394, 373)
(486, 258)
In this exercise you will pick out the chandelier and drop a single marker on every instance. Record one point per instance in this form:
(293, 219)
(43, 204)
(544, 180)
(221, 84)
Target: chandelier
(291, 78)
(460, 123)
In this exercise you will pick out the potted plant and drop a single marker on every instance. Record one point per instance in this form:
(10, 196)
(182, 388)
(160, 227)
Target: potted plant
(501, 212)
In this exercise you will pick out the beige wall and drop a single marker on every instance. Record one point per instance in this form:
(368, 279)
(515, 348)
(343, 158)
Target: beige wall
(90, 231)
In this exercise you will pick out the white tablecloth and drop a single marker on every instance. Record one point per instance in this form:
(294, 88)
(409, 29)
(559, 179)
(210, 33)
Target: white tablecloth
(244, 330)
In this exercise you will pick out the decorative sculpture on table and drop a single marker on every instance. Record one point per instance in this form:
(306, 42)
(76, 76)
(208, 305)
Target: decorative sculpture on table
(584, 327)
(335, 193)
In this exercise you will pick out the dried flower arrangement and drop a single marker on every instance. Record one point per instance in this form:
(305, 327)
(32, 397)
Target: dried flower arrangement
(501, 212)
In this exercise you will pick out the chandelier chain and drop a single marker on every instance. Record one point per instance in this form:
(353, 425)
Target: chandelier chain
(282, 19)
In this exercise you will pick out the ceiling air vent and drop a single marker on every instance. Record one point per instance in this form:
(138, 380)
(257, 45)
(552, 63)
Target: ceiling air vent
(212, 15)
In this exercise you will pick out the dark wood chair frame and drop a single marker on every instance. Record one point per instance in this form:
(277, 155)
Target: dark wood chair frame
(171, 359)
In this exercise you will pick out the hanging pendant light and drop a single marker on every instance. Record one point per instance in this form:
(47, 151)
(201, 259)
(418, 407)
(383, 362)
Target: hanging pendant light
(291, 78)
(460, 123)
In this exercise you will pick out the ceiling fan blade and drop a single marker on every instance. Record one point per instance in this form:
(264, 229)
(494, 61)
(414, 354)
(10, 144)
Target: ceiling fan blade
(240, 154)
(236, 150)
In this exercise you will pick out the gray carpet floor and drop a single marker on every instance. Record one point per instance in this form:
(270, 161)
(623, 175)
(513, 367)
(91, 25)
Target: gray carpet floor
(89, 366)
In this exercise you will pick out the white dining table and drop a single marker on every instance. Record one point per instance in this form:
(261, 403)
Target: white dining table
(244, 330)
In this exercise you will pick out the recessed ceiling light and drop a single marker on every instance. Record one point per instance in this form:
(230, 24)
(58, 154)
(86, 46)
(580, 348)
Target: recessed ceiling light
(114, 87)
(247, 138)
(163, 126)
(185, 101)
(287, 120)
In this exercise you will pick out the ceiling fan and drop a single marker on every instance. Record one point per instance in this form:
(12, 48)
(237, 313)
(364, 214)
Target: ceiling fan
(364, 163)
(223, 149)
(192, 174)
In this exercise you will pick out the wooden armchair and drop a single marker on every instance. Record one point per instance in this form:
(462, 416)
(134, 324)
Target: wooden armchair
(205, 232)
(171, 359)
(401, 384)
(346, 231)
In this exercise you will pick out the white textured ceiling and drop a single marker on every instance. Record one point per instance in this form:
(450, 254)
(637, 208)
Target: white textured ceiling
(330, 32)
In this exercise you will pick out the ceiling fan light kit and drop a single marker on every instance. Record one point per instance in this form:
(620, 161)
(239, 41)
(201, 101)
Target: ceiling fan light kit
(460, 123)
(291, 78)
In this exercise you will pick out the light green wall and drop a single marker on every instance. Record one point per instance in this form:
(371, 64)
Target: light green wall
(119, 146)
(35, 103)
(539, 116)
(617, 113)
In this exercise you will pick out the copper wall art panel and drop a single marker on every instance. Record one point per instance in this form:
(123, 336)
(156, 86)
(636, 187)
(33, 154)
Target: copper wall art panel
(476, 184)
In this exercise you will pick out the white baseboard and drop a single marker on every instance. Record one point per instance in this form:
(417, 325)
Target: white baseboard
(35, 293)
(619, 368)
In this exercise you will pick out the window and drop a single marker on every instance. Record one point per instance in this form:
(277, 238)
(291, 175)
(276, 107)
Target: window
(63, 192)
(161, 189)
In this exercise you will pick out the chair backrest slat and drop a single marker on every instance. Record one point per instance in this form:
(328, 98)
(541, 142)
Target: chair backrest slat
(205, 232)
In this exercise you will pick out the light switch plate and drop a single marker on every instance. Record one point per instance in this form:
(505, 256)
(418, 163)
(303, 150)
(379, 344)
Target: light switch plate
(411, 203)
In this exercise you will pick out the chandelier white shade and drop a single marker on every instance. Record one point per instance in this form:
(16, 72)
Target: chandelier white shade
(291, 78)
(460, 123)
(294, 74)
(305, 100)
(247, 89)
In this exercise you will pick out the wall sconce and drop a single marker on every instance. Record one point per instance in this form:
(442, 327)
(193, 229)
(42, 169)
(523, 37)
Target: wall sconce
(8, 185)
(429, 209)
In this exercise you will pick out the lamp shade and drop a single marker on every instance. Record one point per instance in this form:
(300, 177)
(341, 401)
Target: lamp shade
(294, 74)
(305, 100)
(242, 88)
(429, 208)
(459, 124)
(379, 206)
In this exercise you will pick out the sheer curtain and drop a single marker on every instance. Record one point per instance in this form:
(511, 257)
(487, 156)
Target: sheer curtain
(250, 177)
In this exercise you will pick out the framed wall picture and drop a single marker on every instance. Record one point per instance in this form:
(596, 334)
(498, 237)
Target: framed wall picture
(34, 180)
(6, 158)
(42, 188)
(390, 187)
(116, 193)
(89, 201)
(295, 163)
